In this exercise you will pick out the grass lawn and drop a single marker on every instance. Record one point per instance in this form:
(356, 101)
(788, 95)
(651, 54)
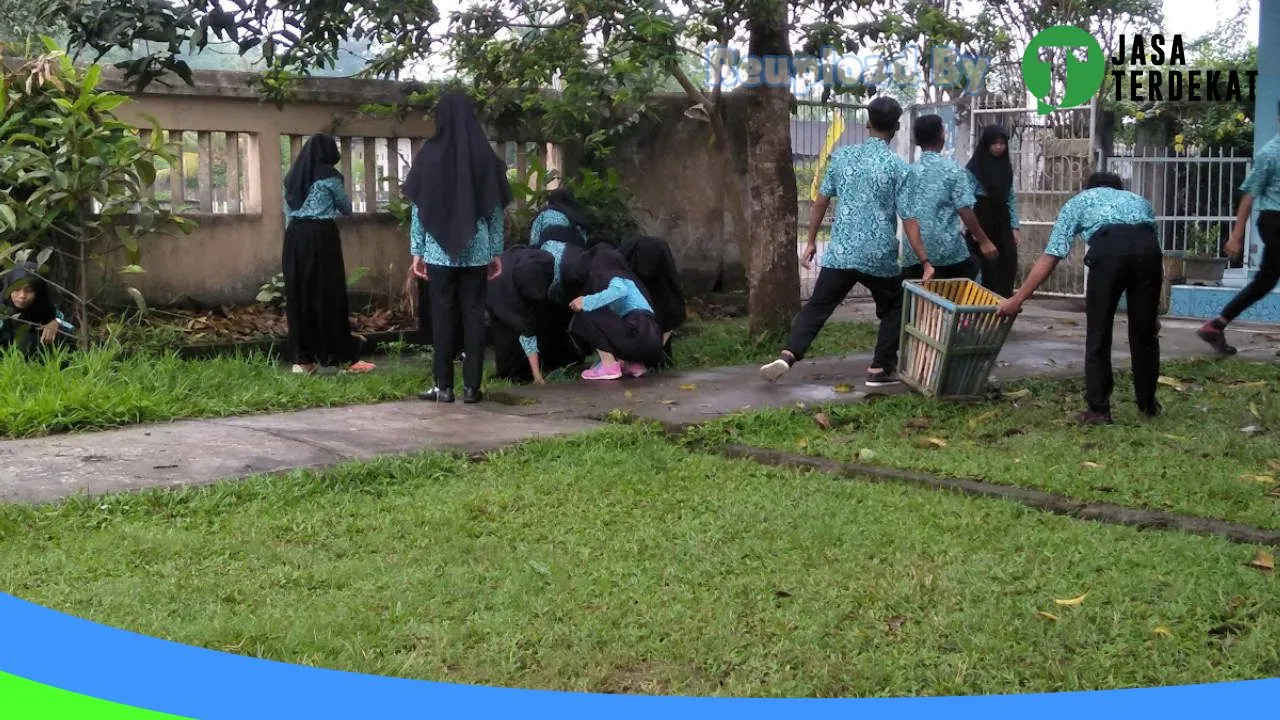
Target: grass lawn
(1212, 453)
(616, 561)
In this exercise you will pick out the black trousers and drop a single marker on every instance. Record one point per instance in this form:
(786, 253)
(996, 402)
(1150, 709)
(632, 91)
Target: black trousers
(1123, 259)
(831, 288)
(457, 310)
(635, 337)
(1269, 272)
(967, 268)
(315, 292)
(999, 273)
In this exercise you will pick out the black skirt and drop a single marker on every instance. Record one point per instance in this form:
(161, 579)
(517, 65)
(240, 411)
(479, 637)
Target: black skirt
(635, 337)
(556, 349)
(315, 291)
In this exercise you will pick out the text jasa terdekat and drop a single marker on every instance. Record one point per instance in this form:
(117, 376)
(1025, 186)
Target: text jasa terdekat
(1155, 82)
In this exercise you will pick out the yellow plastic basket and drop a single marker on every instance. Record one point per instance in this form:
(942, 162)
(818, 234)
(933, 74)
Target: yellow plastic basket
(951, 337)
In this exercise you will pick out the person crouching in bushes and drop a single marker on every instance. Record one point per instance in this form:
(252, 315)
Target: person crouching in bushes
(30, 320)
(616, 319)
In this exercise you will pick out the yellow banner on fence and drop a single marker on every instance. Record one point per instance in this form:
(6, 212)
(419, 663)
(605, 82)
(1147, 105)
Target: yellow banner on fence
(833, 135)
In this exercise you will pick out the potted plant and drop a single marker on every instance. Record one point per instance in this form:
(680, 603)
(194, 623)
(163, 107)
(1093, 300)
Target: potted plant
(1203, 264)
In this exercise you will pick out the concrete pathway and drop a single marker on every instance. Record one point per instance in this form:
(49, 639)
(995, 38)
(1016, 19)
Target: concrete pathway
(1042, 343)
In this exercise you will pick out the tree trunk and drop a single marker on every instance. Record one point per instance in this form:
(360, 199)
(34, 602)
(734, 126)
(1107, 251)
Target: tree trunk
(773, 272)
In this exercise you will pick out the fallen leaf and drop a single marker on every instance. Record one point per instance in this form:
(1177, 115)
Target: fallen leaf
(781, 594)
(670, 402)
(1018, 394)
(1274, 465)
(1253, 410)
(1090, 465)
(895, 623)
(689, 386)
(1251, 430)
(1171, 382)
(1047, 616)
(919, 423)
(866, 454)
(802, 443)
(1163, 631)
(1263, 561)
(1273, 492)
(627, 394)
(935, 442)
(1176, 438)
(843, 388)
(1263, 479)
(1051, 362)
(1014, 431)
(823, 421)
(1073, 602)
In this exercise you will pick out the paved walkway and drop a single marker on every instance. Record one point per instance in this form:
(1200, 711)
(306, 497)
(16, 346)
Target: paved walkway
(1043, 343)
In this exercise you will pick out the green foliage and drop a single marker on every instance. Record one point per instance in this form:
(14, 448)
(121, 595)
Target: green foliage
(1204, 240)
(72, 176)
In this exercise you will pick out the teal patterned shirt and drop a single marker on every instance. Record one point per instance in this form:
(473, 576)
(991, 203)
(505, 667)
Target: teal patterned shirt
(1011, 201)
(934, 192)
(865, 180)
(326, 200)
(1090, 211)
(621, 296)
(548, 219)
(1263, 182)
(485, 246)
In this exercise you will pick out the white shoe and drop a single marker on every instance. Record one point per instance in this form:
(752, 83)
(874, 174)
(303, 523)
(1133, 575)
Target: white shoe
(774, 370)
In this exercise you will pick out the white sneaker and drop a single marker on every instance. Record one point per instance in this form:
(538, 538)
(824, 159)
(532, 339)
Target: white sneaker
(774, 370)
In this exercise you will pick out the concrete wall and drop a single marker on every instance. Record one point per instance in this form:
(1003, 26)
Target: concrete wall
(667, 164)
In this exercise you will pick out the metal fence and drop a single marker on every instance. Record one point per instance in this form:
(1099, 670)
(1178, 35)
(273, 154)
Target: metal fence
(1194, 194)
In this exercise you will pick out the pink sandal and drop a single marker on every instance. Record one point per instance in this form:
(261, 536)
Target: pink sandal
(635, 370)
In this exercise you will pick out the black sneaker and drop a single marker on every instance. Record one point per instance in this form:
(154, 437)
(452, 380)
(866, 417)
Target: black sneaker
(1216, 338)
(1151, 412)
(882, 378)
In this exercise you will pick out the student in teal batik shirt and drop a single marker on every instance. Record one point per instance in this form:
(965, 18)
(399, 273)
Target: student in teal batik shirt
(1124, 258)
(315, 278)
(459, 190)
(935, 200)
(866, 179)
(1262, 191)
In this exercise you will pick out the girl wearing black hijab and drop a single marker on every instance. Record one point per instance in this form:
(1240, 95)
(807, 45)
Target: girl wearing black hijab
(29, 319)
(315, 277)
(530, 329)
(458, 187)
(615, 318)
(651, 260)
(997, 209)
(561, 210)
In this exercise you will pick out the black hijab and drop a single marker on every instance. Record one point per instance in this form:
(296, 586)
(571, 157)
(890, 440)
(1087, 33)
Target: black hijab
(456, 178)
(562, 199)
(317, 160)
(995, 174)
(561, 233)
(41, 310)
(651, 260)
(517, 297)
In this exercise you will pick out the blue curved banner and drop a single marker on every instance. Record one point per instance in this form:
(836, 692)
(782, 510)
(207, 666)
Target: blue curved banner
(58, 650)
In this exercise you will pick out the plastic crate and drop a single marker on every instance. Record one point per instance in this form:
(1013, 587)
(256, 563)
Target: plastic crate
(951, 336)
